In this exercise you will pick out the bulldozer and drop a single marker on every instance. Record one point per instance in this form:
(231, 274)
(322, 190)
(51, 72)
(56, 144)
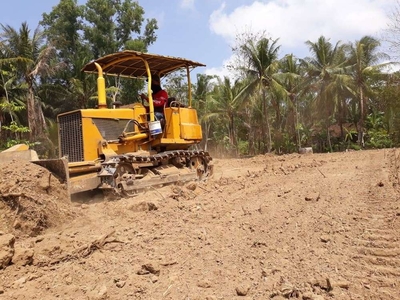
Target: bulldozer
(124, 150)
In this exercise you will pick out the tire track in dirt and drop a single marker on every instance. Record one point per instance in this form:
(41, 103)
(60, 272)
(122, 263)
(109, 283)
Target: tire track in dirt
(376, 259)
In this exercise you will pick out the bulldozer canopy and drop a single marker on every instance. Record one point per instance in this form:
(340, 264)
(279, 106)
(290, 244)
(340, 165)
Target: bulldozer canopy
(131, 64)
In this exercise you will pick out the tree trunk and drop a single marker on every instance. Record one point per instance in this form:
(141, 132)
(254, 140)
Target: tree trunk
(329, 138)
(232, 135)
(263, 133)
(360, 127)
(250, 130)
(31, 114)
(268, 133)
(36, 120)
(206, 126)
(292, 121)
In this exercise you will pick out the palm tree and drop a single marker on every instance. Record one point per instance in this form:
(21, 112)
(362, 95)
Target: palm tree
(260, 57)
(365, 68)
(291, 77)
(202, 96)
(326, 78)
(225, 104)
(30, 59)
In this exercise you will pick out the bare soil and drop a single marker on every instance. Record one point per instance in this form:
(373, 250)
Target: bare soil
(315, 226)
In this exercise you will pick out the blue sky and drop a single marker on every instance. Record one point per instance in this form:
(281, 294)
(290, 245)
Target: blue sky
(205, 30)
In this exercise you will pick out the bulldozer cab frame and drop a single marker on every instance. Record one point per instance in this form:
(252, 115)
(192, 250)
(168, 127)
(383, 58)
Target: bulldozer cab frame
(134, 64)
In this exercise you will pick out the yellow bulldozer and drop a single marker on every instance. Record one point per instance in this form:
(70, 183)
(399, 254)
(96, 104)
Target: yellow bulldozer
(125, 149)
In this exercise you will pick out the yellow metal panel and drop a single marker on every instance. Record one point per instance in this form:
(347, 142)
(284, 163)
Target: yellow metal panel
(190, 128)
(188, 115)
(128, 147)
(91, 139)
(172, 123)
(135, 111)
(191, 131)
(182, 123)
(175, 141)
(118, 113)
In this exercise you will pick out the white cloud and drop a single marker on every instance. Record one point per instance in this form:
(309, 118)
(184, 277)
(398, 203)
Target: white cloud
(222, 71)
(391, 67)
(187, 4)
(296, 21)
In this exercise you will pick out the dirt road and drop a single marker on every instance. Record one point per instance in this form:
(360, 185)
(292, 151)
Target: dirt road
(317, 226)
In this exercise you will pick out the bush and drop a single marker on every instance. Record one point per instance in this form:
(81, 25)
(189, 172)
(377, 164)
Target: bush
(378, 139)
(16, 131)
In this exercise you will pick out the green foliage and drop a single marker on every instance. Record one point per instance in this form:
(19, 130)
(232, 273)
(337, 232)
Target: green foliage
(243, 147)
(378, 139)
(377, 135)
(304, 134)
(287, 145)
(10, 107)
(84, 32)
(109, 25)
(13, 132)
(348, 142)
(26, 53)
(16, 130)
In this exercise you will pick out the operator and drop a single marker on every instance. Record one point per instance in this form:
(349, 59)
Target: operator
(160, 97)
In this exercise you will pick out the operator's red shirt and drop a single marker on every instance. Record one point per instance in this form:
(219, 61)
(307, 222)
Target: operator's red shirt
(160, 98)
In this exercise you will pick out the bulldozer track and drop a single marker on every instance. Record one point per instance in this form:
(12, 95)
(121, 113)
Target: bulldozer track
(127, 174)
(377, 249)
(159, 156)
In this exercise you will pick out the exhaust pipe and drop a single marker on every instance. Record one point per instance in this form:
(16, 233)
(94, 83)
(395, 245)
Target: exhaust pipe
(101, 88)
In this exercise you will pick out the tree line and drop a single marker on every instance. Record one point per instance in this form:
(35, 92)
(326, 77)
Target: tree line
(339, 97)
(336, 98)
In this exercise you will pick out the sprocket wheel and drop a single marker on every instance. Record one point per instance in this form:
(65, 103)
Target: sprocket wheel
(200, 165)
(124, 173)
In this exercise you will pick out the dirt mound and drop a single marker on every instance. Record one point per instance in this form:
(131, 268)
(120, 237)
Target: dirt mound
(318, 226)
(31, 199)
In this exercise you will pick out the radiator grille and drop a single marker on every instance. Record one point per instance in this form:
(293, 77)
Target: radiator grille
(70, 133)
(111, 129)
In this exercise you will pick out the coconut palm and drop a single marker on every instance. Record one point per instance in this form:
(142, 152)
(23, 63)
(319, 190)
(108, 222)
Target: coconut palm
(225, 104)
(365, 68)
(260, 65)
(31, 59)
(291, 77)
(202, 96)
(327, 78)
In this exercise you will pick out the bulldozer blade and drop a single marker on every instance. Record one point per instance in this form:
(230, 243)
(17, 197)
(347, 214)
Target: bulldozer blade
(75, 184)
(58, 167)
